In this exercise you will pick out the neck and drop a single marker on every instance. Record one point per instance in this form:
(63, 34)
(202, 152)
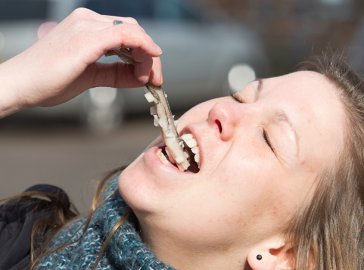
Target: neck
(187, 256)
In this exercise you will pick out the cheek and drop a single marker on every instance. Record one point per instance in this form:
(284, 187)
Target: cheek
(295, 193)
(252, 186)
(224, 211)
(207, 215)
(236, 193)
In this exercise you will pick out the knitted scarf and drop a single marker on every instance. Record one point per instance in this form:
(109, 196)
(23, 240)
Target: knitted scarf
(126, 250)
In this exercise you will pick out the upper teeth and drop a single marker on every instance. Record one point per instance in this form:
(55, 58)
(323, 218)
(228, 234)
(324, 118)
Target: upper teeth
(190, 141)
(187, 140)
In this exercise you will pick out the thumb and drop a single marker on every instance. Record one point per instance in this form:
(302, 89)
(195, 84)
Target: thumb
(117, 74)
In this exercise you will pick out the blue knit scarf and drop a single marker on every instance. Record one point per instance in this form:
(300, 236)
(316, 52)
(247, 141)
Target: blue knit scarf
(126, 250)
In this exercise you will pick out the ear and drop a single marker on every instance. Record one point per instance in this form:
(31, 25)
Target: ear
(271, 254)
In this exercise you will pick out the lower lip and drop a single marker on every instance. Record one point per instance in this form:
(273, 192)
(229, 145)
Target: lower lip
(154, 161)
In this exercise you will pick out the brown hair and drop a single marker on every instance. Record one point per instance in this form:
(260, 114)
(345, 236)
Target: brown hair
(62, 222)
(328, 232)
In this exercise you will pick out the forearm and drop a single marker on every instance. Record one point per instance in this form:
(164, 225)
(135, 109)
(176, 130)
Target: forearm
(9, 98)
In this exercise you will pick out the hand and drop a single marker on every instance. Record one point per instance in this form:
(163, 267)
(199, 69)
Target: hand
(62, 64)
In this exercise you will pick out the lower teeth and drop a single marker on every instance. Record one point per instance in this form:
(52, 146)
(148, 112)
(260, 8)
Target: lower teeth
(193, 158)
(162, 157)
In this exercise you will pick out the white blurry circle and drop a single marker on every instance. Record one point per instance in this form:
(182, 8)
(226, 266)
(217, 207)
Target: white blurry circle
(2, 41)
(239, 76)
(103, 97)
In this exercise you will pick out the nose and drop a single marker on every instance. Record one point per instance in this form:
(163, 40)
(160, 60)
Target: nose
(225, 116)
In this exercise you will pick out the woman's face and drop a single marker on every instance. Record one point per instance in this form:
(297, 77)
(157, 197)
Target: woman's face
(260, 157)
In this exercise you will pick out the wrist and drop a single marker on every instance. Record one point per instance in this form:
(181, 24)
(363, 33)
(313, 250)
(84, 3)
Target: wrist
(7, 107)
(9, 100)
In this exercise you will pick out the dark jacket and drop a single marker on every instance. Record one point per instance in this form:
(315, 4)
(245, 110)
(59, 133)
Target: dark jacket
(18, 216)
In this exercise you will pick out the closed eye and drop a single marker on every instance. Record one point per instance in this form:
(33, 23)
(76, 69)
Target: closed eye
(237, 97)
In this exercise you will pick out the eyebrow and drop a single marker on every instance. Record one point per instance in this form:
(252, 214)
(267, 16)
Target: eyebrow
(279, 115)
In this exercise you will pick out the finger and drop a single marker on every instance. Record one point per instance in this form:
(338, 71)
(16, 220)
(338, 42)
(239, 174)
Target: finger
(132, 36)
(116, 75)
(139, 56)
(156, 75)
(110, 19)
(88, 14)
(142, 70)
(147, 69)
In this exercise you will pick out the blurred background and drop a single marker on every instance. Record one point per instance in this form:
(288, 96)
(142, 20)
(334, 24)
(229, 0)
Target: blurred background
(210, 47)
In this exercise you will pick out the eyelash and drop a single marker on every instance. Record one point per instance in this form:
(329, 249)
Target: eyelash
(264, 133)
(237, 98)
(267, 140)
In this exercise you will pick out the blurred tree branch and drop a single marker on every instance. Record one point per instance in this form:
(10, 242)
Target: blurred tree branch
(292, 29)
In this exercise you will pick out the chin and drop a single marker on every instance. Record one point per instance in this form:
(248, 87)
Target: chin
(135, 187)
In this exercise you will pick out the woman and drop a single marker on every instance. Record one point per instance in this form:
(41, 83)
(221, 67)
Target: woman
(280, 185)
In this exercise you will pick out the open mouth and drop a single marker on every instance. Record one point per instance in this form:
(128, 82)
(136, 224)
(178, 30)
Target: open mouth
(191, 152)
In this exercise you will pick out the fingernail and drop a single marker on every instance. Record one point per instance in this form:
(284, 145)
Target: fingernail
(159, 50)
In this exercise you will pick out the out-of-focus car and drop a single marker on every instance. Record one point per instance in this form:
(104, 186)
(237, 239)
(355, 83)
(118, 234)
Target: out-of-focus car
(19, 22)
(202, 58)
(356, 49)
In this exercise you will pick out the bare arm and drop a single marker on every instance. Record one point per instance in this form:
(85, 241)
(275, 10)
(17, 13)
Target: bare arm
(63, 63)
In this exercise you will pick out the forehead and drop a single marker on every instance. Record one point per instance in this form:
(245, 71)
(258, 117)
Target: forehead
(312, 103)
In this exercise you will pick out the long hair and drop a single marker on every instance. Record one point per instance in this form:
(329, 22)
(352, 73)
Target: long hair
(328, 232)
(62, 222)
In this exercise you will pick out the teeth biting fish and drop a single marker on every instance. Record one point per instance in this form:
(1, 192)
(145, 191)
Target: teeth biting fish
(164, 119)
(190, 143)
(179, 149)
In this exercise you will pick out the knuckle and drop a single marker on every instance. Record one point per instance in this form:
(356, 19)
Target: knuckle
(81, 12)
(80, 24)
(131, 20)
(148, 40)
